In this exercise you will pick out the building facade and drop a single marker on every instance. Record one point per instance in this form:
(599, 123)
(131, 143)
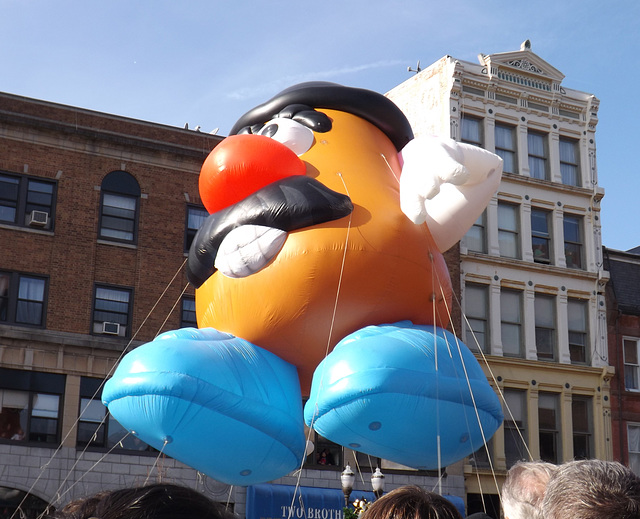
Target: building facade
(96, 215)
(532, 276)
(623, 319)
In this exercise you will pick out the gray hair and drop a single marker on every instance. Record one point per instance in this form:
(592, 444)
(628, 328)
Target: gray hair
(524, 489)
(592, 489)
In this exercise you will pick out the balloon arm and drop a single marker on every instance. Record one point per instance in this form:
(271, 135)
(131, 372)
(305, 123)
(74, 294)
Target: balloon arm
(447, 184)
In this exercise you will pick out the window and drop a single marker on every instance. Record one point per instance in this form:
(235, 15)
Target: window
(631, 367)
(30, 408)
(511, 322)
(569, 167)
(548, 421)
(538, 155)
(475, 238)
(96, 427)
(515, 426)
(581, 420)
(188, 315)
(112, 311)
(545, 309)
(471, 129)
(27, 201)
(195, 218)
(633, 442)
(578, 336)
(573, 241)
(120, 195)
(506, 147)
(22, 299)
(540, 235)
(508, 230)
(477, 313)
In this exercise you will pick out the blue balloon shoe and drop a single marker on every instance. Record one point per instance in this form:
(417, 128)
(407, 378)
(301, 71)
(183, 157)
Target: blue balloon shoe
(215, 402)
(410, 394)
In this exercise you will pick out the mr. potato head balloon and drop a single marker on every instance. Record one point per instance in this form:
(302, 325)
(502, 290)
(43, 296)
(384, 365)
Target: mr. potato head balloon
(319, 273)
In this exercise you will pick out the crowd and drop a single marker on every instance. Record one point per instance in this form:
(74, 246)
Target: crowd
(586, 489)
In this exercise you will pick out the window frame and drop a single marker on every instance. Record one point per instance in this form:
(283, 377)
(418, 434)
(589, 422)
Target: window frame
(628, 366)
(542, 236)
(519, 323)
(472, 334)
(535, 157)
(189, 230)
(633, 455)
(551, 432)
(10, 298)
(518, 428)
(97, 324)
(32, 385)
(570, 163)
(188, 301)
(573, 333)
(582, 436)
(550, 328)
(479, 227)
(574, 247)
(512, 233)
(123, 186)
(509, 155)
(479, 121)
(27, 200)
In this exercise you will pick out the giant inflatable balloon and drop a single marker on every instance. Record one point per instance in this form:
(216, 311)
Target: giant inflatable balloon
(319, 273)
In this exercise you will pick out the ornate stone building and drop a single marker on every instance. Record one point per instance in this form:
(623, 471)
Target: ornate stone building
(532, 275)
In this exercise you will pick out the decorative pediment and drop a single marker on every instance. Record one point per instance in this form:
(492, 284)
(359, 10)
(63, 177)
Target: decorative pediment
(523, 61)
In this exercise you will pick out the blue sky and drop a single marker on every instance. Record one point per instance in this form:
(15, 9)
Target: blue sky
(205, 62)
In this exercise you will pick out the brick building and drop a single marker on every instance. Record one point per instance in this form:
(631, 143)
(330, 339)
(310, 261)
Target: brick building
(623, 324)
(96, 213)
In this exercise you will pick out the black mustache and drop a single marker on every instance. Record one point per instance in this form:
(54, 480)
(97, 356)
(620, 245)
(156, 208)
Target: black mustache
(288, 204)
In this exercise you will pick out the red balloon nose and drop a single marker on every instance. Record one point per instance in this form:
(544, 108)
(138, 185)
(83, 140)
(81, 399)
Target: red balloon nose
(241, 165)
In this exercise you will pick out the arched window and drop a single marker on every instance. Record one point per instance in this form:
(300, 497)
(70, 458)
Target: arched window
(119, 207)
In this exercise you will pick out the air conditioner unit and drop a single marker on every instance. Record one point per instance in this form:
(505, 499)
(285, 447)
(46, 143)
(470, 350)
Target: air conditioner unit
(38, 218)
(111, 328)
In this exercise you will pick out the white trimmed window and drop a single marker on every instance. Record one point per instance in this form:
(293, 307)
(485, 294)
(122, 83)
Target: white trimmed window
(506, 147)
(476, 304)
(569, 165)
(631, 366)
(538, 155)
(511, 322)
(508, 230)
(471, 130)
(633, 442)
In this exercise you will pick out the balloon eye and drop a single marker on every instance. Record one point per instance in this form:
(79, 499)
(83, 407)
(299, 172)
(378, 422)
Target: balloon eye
(295, 136)
(270, 130)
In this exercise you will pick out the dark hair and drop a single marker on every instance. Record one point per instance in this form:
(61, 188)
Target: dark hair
(371, 106)
(592, 489)
(156, 501)
(412, 502)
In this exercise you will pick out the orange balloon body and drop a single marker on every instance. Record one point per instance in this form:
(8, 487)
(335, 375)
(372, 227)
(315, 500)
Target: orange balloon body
(372, 267)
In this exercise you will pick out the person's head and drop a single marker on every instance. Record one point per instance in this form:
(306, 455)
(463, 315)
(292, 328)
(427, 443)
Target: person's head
(524, 488)
(411, 502)
(592, 489)
(157, 501)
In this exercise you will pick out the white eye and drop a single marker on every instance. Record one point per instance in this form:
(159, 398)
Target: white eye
(295, 136)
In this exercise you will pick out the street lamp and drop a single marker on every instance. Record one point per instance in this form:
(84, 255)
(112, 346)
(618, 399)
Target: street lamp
(348, 478)
(377, 482)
